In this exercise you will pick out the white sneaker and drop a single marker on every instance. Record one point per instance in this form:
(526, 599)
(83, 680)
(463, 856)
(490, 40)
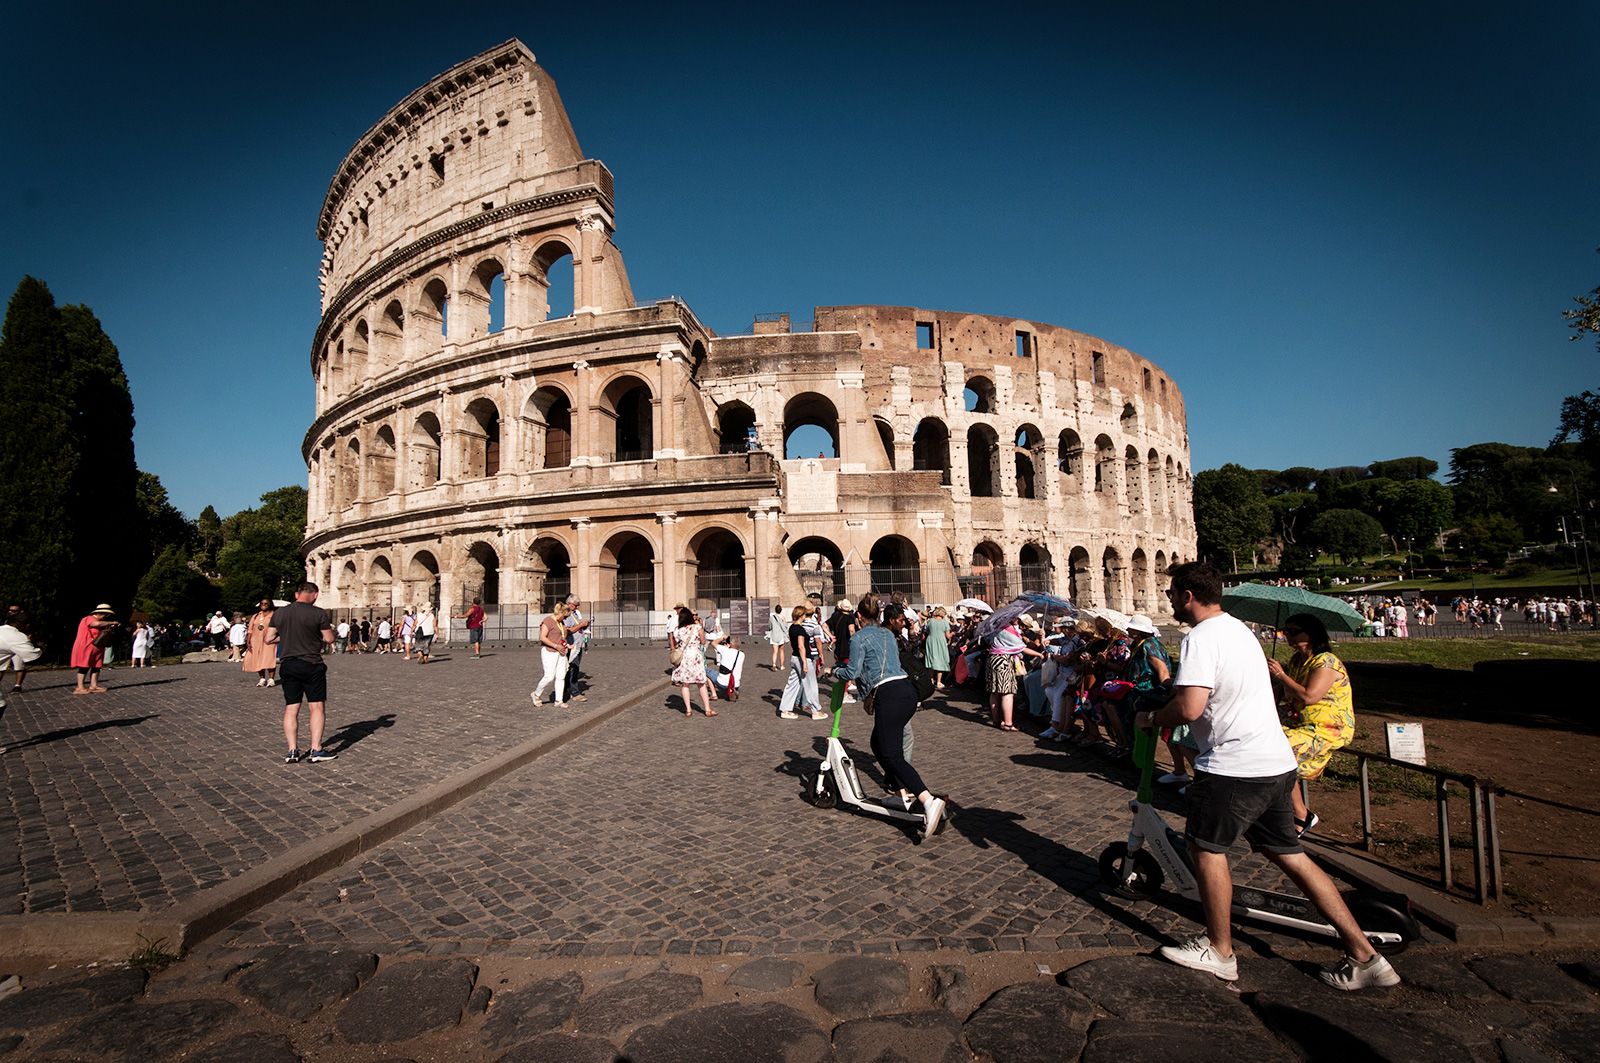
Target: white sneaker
(1172, 778)
(1198, 955)
(818, 714)
(1347, 974)
(932, 817)
(788, 715)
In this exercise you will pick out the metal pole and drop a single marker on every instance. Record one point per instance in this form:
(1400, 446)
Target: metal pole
(1366, 808)
(1494, 842)
(1442, 795)
(1480, 876)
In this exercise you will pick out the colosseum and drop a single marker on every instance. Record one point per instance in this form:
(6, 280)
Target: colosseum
(497, 417)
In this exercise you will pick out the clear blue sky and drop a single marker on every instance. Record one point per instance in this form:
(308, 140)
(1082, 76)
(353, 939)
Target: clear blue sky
(1347, 230)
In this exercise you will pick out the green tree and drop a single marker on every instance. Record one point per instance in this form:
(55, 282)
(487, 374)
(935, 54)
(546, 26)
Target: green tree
(209, 530)
(1487, 539)
(1585, 319)
(164, 524)
(260, 553)
(38, 462)
(1414, 468)
(1230, 511)
(1414, 511)
(1289, 511)
(173, 589)
(1348, 534)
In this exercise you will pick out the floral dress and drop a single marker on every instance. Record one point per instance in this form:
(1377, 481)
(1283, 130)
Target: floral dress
(691, 671)
(1316, 730)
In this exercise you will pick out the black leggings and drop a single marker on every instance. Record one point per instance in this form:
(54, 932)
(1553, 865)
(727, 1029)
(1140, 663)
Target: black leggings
(892, 709)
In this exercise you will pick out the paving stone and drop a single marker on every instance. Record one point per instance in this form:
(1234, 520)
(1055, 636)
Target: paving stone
(857, 986)
(1030, 1021)
(1516, 1050)
(478, 1003)
(731, 1033)
(406, 1000)
(916, 1037)
(1331, 1028)
(1142, 988)
(562, 1048)
(638, 1000)
(135, 1032)
(1119, 1041)
(1531, 979)
(952, 989)
(1587, 971)
(1578, 1036)
(768, 974)
(250, 1048)
(10, 1044)
(300, 982)
(60, 1001)
(1442, 973)
(520, 1013)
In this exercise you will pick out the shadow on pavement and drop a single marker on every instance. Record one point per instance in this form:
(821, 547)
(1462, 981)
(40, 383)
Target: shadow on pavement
(73, 732)
(351, 733)
(31, 688)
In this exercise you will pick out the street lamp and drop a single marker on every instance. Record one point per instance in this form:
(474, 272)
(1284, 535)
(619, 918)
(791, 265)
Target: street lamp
(1583, 537)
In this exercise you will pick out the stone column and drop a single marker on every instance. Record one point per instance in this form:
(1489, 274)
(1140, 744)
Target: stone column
(669, 566)
(668, 359)
(856, 430)
(450, 442)
(588, 296)
(583, 416)
(510, 427)
(585, 583)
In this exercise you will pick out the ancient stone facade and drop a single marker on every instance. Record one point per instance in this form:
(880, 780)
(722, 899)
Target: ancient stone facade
(496, 417)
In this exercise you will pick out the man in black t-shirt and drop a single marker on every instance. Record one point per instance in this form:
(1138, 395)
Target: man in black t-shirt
(841, 625)
(301, 630)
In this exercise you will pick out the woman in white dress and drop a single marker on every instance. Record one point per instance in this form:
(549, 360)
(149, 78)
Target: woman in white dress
(777, 635)
(141, 644)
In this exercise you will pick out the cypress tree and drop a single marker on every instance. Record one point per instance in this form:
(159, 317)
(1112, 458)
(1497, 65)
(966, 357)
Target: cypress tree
(38, 463)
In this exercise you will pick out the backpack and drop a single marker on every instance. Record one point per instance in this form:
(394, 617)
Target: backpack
(916, 673)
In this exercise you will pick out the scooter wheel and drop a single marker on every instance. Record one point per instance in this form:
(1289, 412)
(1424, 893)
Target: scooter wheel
(820, 790)
(1384, 914)
(1144, 881)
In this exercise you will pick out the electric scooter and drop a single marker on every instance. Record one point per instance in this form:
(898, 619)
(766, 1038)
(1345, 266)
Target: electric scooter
(836, 783)
(1155, 854)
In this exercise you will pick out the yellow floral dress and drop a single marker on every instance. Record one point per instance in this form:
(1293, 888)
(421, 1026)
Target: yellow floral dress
(1316, 730)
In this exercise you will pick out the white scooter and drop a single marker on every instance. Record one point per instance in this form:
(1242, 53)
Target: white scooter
(1155, 853)
(836, 782)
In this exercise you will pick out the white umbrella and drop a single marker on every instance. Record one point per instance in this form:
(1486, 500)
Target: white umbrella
(1111, 616)
(977, 604)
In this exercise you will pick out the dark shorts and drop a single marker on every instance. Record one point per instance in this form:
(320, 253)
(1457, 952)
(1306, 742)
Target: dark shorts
(474, 636)
(300, 677)
(424, 644)
(1222, 808)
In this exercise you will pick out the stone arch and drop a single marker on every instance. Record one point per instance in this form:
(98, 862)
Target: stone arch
(1034, 569)
(350, 473)
(480, 436)
(626, 404)
(1105, 466)
(1139, 577)
(810, 409)
(432, 312)
(1135, 481)
(1079, 576)
(1028, 448)
(717, 555)
(389, 341)
(1111, 577)
(978, 396)
(988, 574)
(1069, 460)
(627, 571)
(347, 582)
(930, 448)
(380, 582)
(482, 309)
(886, 437)
(896, 566)
(819, 566)
(380, 462)
(736, 424)
(423, 452)
(554, 293)
(1159, 575)
(549, 413)
(983, 453)
(1129, 419)
(422, 579)
(550, 564)
(480, 575)
(360, 344)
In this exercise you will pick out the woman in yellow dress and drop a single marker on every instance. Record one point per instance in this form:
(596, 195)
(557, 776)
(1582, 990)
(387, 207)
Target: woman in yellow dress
(1317, 707)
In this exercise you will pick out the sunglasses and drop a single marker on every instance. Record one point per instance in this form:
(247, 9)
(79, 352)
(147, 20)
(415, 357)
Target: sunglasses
(1294, 631)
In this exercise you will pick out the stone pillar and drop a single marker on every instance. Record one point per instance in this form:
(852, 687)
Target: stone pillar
(668, 360)
(588, 296)
(584, 578)
(856, 430)
(669, 566)
(583, 416)
(450, 442)
(511, 460)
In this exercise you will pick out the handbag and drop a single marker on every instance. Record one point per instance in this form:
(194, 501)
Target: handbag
(675, 651)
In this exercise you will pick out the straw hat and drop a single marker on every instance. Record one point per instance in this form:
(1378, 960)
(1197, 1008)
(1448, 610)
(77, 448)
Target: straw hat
(104, 608)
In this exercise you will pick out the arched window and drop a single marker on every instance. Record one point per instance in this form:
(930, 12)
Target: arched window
(1130, 419)
(1135, 482)
(819, 565)
(350, 474)
(718, 560)
(391, 338)
(810, 427)
(356, 362)
(988, 580)
(895, 567)
(422, 580)
(1111, 577)
(626, 402)
(380, 583)
(1172, 489)
(736, 425)
(1029, 444)
(482, 431)
(886, 437)
(380, 462)
(930, 448)
(1105, 471)
(433, 310)
(627, 572)
(549, 411)
(349, 584)
(552, 572)
(1033, 564)
(486, 292)
(1152, 467)
(1069, 459)
(982, 454)
(978, 395)
(423, 453)
(553, 291)
(1079, 581)
(1140, 574)
(480, 576)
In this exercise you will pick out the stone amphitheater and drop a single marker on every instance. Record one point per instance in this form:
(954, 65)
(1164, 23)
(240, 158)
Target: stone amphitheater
(496, 417)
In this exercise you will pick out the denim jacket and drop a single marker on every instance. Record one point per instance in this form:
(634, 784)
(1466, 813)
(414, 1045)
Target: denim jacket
(874, 657)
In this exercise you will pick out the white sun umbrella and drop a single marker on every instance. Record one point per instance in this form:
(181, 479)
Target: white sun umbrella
(1111, 616)
(976, 604)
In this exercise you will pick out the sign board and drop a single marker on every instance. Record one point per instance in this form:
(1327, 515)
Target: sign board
(1405, 742)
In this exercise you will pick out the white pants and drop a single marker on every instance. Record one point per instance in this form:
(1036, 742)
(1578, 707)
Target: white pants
(555, 671)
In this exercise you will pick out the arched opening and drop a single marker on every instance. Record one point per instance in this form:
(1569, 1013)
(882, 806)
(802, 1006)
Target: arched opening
(1111, 578)
(988, 580)
(930, 448)
(551, 572)
(486, 289)
(1105, 469)
(1029, 443)
(423, 452)
(1172, 490)
(480, 576)
(481, 440)
(982, 454)
(718, 560)
(978, 395)
(1033, 565)
(380, 583)
(1135, 481)
(1069, 460)
(553, 288)
(1159, 577)
(549, 414)
(895, 567)
(1152, 468)
(627, 571)
(810, 427)
(391, 346)
(1079, 580)
(434, 310)
(1129, 419)
(1140, 574)
(422, 580)
(626, 402)
(886, 437)
(356, 355)
(350, 474)
(380, 462)
(736, 428)
(819, 565)
(348, 583)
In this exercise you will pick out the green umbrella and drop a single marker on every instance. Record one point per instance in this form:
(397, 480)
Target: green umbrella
(1262, 603)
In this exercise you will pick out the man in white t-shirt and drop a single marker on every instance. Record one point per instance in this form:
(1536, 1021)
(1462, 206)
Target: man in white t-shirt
(1243, 776)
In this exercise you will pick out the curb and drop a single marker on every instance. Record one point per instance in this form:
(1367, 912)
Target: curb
(1463, 922)
(68, 937)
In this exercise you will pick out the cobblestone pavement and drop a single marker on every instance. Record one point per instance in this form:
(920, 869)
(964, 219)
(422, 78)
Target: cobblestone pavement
(173, 781)
(664, 835)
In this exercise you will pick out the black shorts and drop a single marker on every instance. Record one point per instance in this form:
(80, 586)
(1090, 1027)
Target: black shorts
(300, 677)
(474, 636)
(1222, 808)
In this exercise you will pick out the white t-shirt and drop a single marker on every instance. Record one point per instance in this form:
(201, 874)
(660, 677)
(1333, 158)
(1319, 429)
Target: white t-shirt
(425, 625)
(1239, 734)
(236, 635)
(384, 630)
(344, 629)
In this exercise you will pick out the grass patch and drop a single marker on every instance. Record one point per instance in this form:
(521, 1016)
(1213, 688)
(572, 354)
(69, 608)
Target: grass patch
(152, 955)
